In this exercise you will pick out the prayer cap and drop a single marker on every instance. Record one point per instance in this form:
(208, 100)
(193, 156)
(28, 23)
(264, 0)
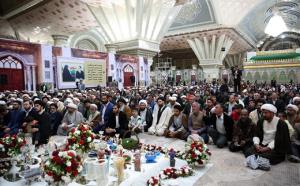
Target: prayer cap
(72, 105)
(294, 107)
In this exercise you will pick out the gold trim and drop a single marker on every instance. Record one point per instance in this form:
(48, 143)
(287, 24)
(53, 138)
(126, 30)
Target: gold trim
(271, 66)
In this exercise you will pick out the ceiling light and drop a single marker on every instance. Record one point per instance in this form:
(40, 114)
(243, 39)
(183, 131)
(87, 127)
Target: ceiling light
(282, 36)
(276, 26)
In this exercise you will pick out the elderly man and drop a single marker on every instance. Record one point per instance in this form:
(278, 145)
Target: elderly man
(71, 119)
(197, 122)
(94, 116)
(243, 133)
(146, 115)
(271, 139)
(222, 127)
(161, 117)
(256, 114)
(291, 112)
(172, 102)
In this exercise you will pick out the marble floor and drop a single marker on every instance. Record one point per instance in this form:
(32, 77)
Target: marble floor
(229, 168)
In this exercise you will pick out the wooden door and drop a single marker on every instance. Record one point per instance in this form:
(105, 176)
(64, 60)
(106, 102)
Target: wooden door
(11, 74)
(128, 74)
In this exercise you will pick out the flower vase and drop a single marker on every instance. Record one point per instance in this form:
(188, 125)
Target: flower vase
(172, 162)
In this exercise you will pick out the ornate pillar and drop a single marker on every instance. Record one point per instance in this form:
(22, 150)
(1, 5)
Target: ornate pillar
(211, 54)
(150, 62)
(111, 48)
(25, 78)
(29, 80)
(33, 78)
(60, 40)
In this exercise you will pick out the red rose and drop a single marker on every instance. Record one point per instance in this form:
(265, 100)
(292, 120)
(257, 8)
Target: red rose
(81, 142)
(71, 154)
(55, 153)
(49, 173)
(75, 173)
(73, 130)
(68, 169)
(194, 155)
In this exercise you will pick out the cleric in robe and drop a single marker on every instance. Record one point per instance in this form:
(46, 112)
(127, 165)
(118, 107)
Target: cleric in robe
(271, 139)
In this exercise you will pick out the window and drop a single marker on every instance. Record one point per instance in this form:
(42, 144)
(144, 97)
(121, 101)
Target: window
(3, 79)
(47, 64)
(10, 62)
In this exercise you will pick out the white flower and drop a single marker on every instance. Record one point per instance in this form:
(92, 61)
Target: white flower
(80, 168)
(68, 164)
(47, 163)
(20, 140)
(66, 179)
(48, 178)
(197, 152)
(77, 133)
(151, 181)
(89, 139)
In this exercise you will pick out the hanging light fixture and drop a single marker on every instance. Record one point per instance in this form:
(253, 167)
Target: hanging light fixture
(276, 26)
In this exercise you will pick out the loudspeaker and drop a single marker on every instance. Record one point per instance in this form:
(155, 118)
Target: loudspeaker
(109, 79)
(132, 79)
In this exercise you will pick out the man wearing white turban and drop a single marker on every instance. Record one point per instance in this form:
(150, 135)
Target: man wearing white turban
(271, 140)
(146, 114)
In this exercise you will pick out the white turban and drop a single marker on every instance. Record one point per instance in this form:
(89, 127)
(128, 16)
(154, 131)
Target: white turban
(143, 101)
(294, 107)
(175, 95)
(2, 102)
(94, 105)
(55, 99)
(172, 98)
(296, 99)
(72, 105)
(269, 107)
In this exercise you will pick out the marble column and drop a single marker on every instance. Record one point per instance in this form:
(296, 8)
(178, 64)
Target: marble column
(25, 78)
(111, 48)
(150, 62)
(29, 79)
(60, 40)
(211, 54)
(33, 78)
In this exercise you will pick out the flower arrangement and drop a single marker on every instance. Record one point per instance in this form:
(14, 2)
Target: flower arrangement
(197, 153)
(80, 138)
(170, 173)
(178, 154)
(63, 165)
(12, 144)
(153, 181)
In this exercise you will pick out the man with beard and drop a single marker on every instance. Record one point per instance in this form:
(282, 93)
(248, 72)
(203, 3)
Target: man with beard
(146, 115)
(291, 112)
(16, 116)
(117, 123)
(161, 117)
(42, 131)
(256, 114)
(71, 119)
(55, 118)
(243, 133)
(271, 139)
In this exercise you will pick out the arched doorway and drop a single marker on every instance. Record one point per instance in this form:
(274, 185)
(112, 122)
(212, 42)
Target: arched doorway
(11, 74)
(129, 78)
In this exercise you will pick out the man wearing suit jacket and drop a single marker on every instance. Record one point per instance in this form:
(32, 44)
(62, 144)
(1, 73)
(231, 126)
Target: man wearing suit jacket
(278, 103)
(117, 122)
(105, 111)
(221, 127)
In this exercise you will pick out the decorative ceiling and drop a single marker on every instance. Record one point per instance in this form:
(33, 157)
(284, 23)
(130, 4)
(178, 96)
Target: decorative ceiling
(178, 42)
(243, 20)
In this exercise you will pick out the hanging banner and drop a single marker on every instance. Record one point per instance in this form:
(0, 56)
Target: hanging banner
(95, 72)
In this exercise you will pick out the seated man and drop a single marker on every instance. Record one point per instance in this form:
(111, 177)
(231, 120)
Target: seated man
(243, 133)
(146, 114)
(135, 123)
(271, 139)
(94, 116)
(16, 118)
(177, 124)
(42, 131)
(117, 123)
(295, 157)
(55, 118)
(71, 119)
(161, 117)
(197, 124)
(222, 127)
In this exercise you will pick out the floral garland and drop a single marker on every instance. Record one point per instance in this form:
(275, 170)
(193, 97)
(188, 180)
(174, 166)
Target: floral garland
(80, 138)
(64, 165)
(197, 153)
(12, 144)
(170, 173)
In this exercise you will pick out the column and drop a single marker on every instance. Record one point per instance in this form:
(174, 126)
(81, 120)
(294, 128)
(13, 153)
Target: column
(33, 78)
(148, 78)
(25, 78)
(211, 54)
(28, 73)
(111, 48)
(60, 40)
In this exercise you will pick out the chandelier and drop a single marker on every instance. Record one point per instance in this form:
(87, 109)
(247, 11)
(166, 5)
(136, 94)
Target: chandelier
(282, 16)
